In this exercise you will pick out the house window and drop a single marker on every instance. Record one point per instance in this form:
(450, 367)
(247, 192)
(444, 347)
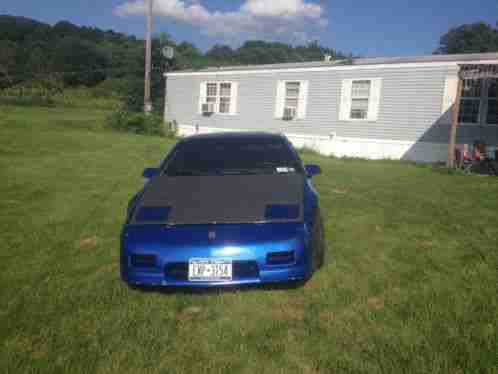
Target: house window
(360, 96)
(360, 99)
(292, 94)
(291, 99)
(211, 92)
(492, 111)
(471, 101)
(223, 96)
(479, 102)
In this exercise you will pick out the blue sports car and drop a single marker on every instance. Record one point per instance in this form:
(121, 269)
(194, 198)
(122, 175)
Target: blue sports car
(224, 209)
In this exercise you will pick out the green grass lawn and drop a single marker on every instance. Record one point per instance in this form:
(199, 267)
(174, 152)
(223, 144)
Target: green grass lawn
(410, 282)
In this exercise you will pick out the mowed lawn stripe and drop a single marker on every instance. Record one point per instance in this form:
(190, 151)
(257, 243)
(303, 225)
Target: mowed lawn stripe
(410, 282)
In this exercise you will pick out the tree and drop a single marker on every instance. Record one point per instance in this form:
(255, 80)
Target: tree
(84, 61)
(221, 55)
(7, 62)
(32, 51)
(478, 37)
(187, 56)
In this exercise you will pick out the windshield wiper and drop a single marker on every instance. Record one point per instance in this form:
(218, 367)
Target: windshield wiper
(238, 171)
(193, 172)
(251, 171)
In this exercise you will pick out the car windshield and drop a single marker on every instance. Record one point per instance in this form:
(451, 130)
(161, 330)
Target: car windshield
(232, 156)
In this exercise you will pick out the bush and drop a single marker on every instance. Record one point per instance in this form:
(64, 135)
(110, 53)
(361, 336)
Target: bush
(133, 94)
(50, 93)
(308, 151)
(35, 92)
(84, 97)
(140, 123)
(170, 129)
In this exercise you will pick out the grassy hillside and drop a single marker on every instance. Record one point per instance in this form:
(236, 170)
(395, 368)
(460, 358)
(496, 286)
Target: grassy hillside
(410, 282)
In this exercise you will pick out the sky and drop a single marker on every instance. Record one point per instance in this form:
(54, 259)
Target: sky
(363, 27)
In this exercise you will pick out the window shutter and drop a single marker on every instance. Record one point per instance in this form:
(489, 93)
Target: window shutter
(280, 99)
(234, 94)
(450, 92)
(303, 99)
(345, 106)
(374, 100)
(202, 95)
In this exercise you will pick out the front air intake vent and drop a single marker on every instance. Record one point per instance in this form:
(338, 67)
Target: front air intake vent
(143, 261)
(152, 214)
(282, 211)
(280, 258)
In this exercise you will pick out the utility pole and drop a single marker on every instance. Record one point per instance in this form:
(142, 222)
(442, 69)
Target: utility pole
(454, 124)
(148, 59)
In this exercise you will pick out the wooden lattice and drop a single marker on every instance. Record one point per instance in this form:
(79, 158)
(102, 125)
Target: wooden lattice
(478, 71)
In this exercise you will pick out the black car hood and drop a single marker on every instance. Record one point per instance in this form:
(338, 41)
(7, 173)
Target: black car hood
(225, 199)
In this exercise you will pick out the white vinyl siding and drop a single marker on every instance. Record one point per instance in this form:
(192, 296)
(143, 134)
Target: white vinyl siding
(375, 97)
(410, 104)
(360, 99)
(345, 106)
(280, 100)
(234, 98)
(202, 95)
(450, 91)
(303, 100)
(222, 94)
(291, 94)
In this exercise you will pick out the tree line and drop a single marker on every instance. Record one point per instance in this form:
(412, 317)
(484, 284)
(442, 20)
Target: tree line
(67, 55)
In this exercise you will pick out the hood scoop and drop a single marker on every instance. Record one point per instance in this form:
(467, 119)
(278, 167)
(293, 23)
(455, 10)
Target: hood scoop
(152, 214)
(223, 199)
(282, 211)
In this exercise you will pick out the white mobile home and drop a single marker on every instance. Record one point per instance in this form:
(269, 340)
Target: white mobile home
(398, 108)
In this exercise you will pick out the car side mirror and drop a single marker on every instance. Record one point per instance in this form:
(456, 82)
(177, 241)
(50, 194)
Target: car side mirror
(150, 172)
(312, 170)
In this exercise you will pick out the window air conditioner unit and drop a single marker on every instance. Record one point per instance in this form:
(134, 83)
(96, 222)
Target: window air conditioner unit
(208, 108)
(289, 113)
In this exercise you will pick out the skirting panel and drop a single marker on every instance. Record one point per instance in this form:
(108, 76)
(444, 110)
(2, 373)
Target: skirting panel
(375, 149)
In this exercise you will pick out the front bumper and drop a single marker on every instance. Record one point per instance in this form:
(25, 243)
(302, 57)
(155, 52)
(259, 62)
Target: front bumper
(275, 275)
(247, 246)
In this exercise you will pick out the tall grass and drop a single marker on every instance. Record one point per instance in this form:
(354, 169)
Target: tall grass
(410, 282)
(80, 97)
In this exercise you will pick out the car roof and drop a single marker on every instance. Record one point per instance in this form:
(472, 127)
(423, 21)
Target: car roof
(236, 135)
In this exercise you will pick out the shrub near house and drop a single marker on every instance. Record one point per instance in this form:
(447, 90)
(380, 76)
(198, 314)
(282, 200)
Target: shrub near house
(140, 123)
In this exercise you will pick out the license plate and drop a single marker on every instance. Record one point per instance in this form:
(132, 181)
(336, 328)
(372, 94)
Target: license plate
(209, 270)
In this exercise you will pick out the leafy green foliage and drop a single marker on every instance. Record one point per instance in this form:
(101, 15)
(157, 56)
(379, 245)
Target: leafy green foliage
(51, 92)
(87, 56)
(83, 61)
(140, 123)
(7, 62)
(37, 92)
(477, 37)
(33, 51)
